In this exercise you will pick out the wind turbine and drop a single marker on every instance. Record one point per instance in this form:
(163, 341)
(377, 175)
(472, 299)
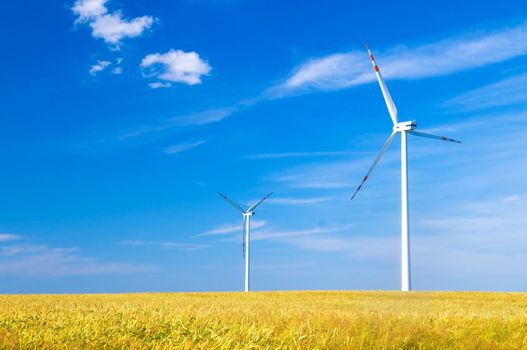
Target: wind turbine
(403, 128)
(246, 229)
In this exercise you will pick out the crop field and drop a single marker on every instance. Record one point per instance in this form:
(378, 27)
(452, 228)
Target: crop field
(265, 320)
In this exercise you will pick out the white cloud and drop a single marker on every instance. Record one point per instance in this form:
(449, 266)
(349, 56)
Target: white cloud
(182, 147)
(343, 70)
(5, 237)
(175, 66)
(503, 93)
(87, 10)
(234, 228)
(99, 67)
(111, 27)
(117, 70)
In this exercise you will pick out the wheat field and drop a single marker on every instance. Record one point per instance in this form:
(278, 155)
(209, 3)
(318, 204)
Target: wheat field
(265, 320)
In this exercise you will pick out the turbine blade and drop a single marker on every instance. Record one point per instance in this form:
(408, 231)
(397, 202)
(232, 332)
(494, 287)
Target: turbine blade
(387, 97)
(379, 156)
(243, 234)
(251, 208)
(430, 136)
(233, 203)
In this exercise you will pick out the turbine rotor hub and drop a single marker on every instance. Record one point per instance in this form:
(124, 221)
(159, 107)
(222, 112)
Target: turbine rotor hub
(405, 126)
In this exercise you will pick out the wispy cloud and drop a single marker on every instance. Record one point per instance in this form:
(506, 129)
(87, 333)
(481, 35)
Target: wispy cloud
(491, 217)
(209, 116)
(348, 69)
(163, 245)
(299, 154)
(283, 267)
(31, 249)
(229, 229)
(175, 66)
(298, 201)
(203, 118)
(182, 147)
(507, 149)
(486, 236)
(99, 67)
(510, 199)
(375, 248)
(41, 261)
(327, 175)
(487, 245)
(159, 85)
(344, 70)
(288, 234)
(336, 239)
(335, 71)
(507, 92)
(109, 26)
(6, 237)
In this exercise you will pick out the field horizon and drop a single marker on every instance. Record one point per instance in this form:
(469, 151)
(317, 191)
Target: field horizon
(266, 320)
(269, 291)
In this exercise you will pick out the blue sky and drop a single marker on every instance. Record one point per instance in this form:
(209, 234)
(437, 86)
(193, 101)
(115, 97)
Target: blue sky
(120, 120)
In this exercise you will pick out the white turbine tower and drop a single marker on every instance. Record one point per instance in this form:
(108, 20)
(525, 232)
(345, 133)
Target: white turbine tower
(403, 128)
(246, 230)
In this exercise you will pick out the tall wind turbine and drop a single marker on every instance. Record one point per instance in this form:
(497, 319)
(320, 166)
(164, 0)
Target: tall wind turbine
(246, 230)
(403, 128)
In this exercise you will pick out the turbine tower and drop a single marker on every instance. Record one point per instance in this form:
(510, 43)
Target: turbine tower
(246, 230)
(403, 128)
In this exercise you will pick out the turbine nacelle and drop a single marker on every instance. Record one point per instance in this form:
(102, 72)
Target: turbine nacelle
(245, 212)
(404, 126)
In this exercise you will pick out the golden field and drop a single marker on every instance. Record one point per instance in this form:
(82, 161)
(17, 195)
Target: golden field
(265, 320)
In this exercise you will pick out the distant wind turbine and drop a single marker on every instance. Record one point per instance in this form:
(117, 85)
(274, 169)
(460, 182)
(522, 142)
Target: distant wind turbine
(246, 230)
(403, 128)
